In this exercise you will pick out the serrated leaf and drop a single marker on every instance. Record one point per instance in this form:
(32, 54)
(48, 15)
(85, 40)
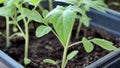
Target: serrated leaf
(72, 54)
(62, 20)
(42, 30)
(104, 44)
(87, 45)
(85, 20)
(33, 15)
(7, 11)
(50, 61)
(44, 13)
(27, 61)
(93, 4)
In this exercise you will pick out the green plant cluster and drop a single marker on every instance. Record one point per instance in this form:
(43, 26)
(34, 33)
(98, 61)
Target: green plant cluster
(62, 18)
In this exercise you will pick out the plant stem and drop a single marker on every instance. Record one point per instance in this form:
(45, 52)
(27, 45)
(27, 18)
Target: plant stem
(78, 30)
(26, 40)
(19, 27)
(7, 32)
(65, 53)
(50, 4)
(26, 35)
(64, 56)
(75, 44)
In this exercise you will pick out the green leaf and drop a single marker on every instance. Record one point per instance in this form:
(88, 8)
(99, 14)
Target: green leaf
(101, 2)
(44, 13)
(72, 54)
(53, 16)
(93, 4)
(27, 61)
(33, 2)
(104, 44)
(19, 18)
(87, 45)
(42, 30)
(50, 61)
(7, 11)
(33, 15)
(85, 20)
(62, 20)
(2, 1)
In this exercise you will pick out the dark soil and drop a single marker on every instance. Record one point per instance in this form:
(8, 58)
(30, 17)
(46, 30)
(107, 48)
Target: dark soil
(49, 47)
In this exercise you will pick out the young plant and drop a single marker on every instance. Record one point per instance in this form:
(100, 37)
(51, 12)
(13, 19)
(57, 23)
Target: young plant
(14, 12)
(63, 18)
(7, 11)
(27, 15)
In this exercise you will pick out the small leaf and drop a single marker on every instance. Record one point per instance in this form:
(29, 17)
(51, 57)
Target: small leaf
(44, 13)
(104, 44)
(19, 18)
(72, 54)
(42, 30)
(87, 45)
(27, 61)
(33, 15)
(50, 61)
(15, 29)
(85, 20)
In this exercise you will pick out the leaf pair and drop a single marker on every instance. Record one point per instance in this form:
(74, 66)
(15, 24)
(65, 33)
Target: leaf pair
(88, 45)
(69, 57)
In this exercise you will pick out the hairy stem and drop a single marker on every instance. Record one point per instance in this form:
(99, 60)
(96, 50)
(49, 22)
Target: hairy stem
(7, 32)
(75, 44)
(64, 56)
(26, 40)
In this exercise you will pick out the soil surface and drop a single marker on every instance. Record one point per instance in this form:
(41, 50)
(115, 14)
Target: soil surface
(50, 47)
